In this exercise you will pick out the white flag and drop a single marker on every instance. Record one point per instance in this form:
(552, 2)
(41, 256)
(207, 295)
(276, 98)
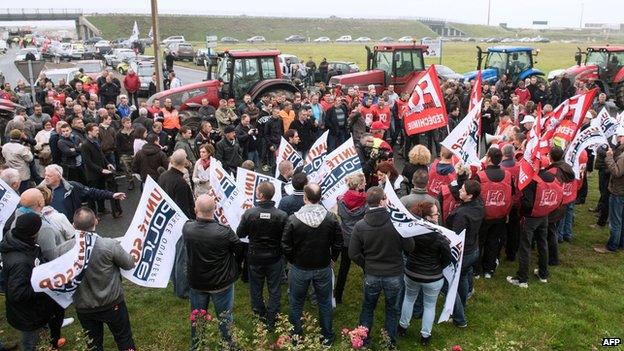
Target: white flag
(316, 156)
(248, 182)
(588, 138)
(605, 122)
(338, 164)
(151, 33)
(135, 33)
(452, 273)
(60, 277)
(9, 200)
(463, 140)
(287, 152)
(152, 236)
(228, 197)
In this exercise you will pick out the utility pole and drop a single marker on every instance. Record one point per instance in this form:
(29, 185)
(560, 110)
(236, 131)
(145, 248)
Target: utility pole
(581, 20)
(489, 10)
(156, 46)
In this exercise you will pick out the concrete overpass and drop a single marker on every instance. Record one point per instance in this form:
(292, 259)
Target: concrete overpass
(442, 27)
(84, 28)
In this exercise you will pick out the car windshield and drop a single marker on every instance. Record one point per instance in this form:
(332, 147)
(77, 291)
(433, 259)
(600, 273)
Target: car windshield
(145, 71)
(408, 61)
(519, 62)
(597, 58)
(91, 67)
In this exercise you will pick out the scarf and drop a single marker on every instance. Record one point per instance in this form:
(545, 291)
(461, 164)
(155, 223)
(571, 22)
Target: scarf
(205, 163)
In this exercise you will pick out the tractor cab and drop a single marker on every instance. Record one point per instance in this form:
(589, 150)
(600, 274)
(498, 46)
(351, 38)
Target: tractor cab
(516, 62)
(247, 72)
(608, 60)
(392, 64)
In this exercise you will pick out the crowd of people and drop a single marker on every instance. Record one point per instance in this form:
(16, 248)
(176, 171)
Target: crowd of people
(70, 151)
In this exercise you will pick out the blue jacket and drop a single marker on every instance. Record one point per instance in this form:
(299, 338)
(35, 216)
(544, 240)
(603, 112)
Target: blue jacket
(76, 194)
(291, 203)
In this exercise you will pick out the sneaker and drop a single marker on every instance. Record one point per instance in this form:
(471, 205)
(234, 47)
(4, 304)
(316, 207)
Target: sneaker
(401, 331)
(424, 341)
(477, 276)
(516, 282)
(67, 321)
(470, 293)
(487, 276)
(460, 325)
(542, 280)
(602, 250)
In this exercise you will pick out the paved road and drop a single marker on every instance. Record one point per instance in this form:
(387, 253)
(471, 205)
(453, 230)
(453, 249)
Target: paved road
(189, 75)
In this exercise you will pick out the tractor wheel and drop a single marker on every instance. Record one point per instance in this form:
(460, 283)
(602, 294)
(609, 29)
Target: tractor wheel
(289, 94)
(619, 96)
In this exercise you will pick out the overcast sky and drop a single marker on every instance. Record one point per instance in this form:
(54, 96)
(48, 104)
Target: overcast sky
(517, 13)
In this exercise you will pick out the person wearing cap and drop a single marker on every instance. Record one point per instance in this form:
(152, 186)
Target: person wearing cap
(18, 156)
(527, 123)
(378, 129)
(615, 165)
(26, 310)
(224, 115)
(229, 151)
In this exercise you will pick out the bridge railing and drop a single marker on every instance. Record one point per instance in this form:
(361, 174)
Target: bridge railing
(24, 11)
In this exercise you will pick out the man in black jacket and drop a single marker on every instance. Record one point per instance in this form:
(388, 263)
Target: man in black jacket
(468, 216)
(213, 251)
(293, 202)
(229, 151)
(97, 168)
(273, 131)
(565, 176)
(378, 248)
(68, 196)
(71, 160)
(306, 128)
(247, 137)
(151, 157)
(312, 240)
(27, 310)
(336, 123)
(264, 225)
(173, 183)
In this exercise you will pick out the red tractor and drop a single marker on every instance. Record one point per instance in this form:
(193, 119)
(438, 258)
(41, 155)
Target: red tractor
(604, 66)
(388, 64)
(232, 74)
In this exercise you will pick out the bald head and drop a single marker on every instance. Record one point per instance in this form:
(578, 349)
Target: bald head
(33, 199)
(205, 206)
(312, 193)
(178, 158)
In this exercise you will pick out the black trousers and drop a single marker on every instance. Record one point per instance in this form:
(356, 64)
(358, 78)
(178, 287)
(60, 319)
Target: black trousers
(343, 273)
(533, 227)
(98, 183)
(603, 202)
(117, 320)
(491, 236)
(553, 234)
(513, 234)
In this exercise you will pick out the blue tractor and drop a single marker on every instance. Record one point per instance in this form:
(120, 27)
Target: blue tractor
(514, 61)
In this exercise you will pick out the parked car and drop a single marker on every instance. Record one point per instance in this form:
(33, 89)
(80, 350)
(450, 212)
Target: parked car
(123, 66)
(182, 51)
(200, 57)
(445, 73)
(386, 40)
(322, 40)
(102, 47)
(76, 51)
(121, 43)
(256, 39)
(344, 39)
(55, 75)
(363, 40)
(174, 39)
(92, 68)
(295, 39)
(144, 69)
(118, 56)
(92, 40)
(336, 68)
(406, 39)
(229, 40)
(21, 55)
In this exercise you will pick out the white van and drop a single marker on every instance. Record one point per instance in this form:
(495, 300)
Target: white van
(344, 39)
(174, 39)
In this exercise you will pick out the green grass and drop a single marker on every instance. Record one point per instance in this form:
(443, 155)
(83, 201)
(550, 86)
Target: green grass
(581, 303)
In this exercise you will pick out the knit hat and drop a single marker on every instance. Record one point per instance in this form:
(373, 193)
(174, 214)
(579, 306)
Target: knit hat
(229, 129)
(26, 227)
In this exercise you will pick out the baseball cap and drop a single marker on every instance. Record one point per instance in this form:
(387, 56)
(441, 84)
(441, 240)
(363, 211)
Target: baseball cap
(528, 119)
(378, 125)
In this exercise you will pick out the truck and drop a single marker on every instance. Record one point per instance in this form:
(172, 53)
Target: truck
(517, 62)
(603, 66)
(387, 64)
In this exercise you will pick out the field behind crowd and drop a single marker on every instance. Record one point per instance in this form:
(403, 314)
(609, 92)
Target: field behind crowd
(461, 57)
(581, 303)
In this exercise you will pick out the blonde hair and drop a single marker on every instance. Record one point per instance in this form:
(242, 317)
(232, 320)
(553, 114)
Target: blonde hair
(47, 194)
(419, 155)
(354, 181)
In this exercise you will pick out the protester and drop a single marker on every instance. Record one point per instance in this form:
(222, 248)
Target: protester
(419, 192)
(423, 272)
(18, 157)
(99, 298)
(311, 241)
(293, 202)
(149, 159)
(229, 151)
(201, 170)
(377, 247)
(264, 225)
(213, 250)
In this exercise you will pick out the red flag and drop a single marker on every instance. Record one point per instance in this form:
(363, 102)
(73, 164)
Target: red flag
(475, 96)
(427, 109)
(531, 161)
(573, 109)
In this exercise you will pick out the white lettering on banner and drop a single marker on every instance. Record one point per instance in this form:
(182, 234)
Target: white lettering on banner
(152, 237)
(589, 138)
(419, 123)
(249, 181)
(229, 198)
(316, 157)
(286, 152)
(463, 139)
(338, 164)
(452, 274)
(60, 277)
(9, 200)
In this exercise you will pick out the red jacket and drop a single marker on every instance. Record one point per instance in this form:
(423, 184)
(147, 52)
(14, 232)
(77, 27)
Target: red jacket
(524, 95)
(132, 83)
(382, 114)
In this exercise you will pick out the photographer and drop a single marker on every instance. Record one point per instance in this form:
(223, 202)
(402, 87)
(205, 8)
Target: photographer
(372, 151)
(247, 137)
(306, 127)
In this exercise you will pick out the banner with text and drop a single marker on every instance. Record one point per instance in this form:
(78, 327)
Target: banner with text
(340, 163)
(9, 200)
(248, 182)
(452, 273)
(463, 140)
(152, 236)
(427, 107)
(60, 277)
(228, 197)
(588, 138)
(607, 124)
(287, 152)
(316, 156)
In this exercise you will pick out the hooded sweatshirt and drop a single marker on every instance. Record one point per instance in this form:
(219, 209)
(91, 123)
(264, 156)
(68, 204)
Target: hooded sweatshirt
(351, 209)
(312, 238)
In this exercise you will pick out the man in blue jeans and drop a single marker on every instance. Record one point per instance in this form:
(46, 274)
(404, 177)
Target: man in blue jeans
(213, 264)
(264, 225)
(312, 240)
(615, 164)
(377, 247)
